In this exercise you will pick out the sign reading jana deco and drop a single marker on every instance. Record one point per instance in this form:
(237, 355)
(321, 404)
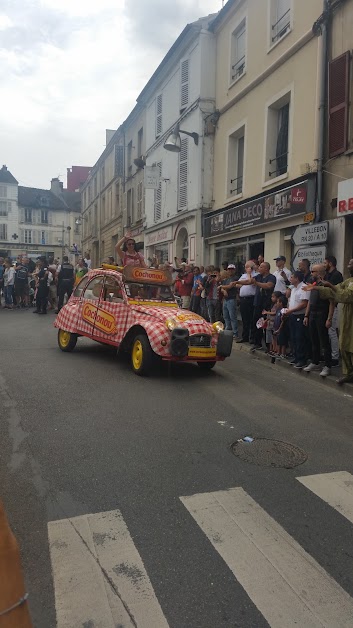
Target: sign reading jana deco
(266, 209)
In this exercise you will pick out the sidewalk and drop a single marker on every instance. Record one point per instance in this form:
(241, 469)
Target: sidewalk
(329, 381)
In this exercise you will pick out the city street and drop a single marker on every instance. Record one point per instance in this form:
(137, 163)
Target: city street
(131, 509)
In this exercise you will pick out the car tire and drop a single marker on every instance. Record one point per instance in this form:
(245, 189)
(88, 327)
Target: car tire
(206, 366)
(143, 357)
(66, 340)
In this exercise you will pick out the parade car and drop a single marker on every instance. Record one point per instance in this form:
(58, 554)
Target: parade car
(134, 309)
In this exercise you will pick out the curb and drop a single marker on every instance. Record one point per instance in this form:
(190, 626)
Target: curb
(329, 381)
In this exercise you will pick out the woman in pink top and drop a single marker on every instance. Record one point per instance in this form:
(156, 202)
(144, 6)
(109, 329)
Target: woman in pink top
(126, 249)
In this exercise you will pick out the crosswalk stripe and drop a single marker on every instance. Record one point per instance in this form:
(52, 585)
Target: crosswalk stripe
(99, 576)
(285, 583)
(336, 489)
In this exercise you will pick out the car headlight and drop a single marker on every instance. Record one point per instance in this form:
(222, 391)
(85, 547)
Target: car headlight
(170, 324)
(218, 326)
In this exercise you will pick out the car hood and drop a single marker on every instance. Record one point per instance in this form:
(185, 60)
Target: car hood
(182, 318)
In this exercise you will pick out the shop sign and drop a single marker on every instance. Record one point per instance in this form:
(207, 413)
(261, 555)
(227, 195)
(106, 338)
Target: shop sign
(309, 217)
(163, 235)
(311, 234)
(345, 198)
(135, 232)
(271, 208)
(152, 177)
(315, 255)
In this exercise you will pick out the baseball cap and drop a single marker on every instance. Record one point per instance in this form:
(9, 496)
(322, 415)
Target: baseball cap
(230, 266)
(280, 258)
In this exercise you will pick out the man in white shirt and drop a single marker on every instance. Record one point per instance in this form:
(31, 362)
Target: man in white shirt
(296, 312)
(247, 294)
(282, 274)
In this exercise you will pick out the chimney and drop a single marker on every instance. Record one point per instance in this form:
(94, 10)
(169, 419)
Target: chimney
(56, 186)
(4, 167)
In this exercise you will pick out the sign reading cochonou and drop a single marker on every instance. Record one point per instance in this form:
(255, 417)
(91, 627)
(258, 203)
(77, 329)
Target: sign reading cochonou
(283, 204)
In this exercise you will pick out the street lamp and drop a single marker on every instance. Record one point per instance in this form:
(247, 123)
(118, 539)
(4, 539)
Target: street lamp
(173, 141)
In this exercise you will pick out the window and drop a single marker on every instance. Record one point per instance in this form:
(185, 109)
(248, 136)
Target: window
(183, 175)
(139, 200)
(44, 216)
(129, 159)
(140, 143)
(238, 52)
(28, 236)
(112, 291)
(3, 208)
(94, 289)
(280, 20)
(43, 237)
(278, 116)
(130, 206)
(159, 115)
(28, 215)
(3, 232)
(236, 162)
(338, 104)
(3, 191)
(158, 196)
(103, 210)
(81, 286)
(102, 176)
(184, 84)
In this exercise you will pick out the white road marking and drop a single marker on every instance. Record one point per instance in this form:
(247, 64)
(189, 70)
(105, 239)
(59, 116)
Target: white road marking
(336, 489)
(80, 549)
(285, 583)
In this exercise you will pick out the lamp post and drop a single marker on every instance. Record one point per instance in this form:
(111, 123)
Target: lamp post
(173, 141)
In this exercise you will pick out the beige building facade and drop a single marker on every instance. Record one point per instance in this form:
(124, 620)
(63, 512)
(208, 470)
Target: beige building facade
(267, 137)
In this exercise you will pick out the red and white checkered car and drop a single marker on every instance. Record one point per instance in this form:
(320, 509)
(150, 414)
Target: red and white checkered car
(134, 309)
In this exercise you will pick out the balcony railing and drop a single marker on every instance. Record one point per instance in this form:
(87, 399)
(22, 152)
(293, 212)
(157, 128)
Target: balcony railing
(238, 68)
(238, 188)
(281, 26)
(282, 164)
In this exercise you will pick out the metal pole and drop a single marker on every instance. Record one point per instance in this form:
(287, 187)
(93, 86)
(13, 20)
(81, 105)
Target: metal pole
(322, 111)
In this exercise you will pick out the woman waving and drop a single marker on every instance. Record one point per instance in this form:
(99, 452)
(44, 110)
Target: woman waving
(126, 249)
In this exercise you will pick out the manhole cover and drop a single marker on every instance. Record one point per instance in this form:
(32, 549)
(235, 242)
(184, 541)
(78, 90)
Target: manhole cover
(269, 453)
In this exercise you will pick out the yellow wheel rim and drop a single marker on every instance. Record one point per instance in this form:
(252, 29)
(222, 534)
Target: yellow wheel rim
(64, 338)
(137, 355)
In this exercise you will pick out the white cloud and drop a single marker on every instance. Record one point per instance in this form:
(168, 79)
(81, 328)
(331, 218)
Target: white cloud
(71, 69)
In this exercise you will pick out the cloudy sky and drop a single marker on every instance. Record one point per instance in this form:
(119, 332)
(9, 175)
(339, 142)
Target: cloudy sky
(72, 68)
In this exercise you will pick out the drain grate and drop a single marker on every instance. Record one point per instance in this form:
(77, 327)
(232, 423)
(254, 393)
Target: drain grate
(269, 453)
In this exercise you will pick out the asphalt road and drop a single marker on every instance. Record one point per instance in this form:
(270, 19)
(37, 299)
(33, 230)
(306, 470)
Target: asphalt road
(81, 434)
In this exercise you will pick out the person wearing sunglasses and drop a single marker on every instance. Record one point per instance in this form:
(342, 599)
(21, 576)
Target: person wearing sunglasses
(126, 250)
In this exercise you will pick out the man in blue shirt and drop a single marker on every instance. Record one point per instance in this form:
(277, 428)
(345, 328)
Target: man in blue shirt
(229, 291)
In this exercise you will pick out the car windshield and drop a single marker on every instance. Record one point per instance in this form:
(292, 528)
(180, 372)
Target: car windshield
(148, 292)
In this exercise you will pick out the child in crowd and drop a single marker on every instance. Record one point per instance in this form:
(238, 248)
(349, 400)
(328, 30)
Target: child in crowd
(271, 342)
(280, 327)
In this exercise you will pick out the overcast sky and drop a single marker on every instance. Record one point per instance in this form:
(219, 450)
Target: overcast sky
(72, 68)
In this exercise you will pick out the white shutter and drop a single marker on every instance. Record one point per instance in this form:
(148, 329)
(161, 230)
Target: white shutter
(22, 236)
(139, 200)
(22, 214)
(50, 218)
(184, 84)
(159, 115)
(35, 238)
(183, 174)
(158, 197)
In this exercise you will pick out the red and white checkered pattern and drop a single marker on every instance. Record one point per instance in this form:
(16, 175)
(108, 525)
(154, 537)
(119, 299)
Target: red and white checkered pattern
(151, 318)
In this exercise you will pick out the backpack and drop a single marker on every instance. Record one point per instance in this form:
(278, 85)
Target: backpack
(21, 274)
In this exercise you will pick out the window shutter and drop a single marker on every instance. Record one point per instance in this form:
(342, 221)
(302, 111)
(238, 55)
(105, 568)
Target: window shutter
(158, 197)
(22, 236)
(139, 200)
(159, 115)
(338, 104)
(183, 174)
(184, 86)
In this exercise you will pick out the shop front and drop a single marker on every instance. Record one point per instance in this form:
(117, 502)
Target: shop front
(345, 223)
(158, 244)
(263, 225)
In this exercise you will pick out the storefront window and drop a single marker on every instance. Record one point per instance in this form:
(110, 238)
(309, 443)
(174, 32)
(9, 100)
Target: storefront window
(161, 252)
(239, 251)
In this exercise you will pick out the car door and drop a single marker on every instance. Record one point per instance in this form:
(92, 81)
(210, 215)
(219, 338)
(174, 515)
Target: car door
(88, 305)
(110, 324)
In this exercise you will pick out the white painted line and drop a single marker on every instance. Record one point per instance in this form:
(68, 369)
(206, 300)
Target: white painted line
(288, 587)
(87, 554)
(336, 489)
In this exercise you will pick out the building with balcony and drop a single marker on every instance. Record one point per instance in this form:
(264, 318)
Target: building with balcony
(180, 92)
(266, 146)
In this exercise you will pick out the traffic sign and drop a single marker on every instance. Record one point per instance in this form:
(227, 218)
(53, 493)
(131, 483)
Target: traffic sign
(311, 234)
(309, 217)
(315, 255)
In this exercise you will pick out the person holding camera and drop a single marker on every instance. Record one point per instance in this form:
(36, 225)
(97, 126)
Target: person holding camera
(229, 291)
(211, 284)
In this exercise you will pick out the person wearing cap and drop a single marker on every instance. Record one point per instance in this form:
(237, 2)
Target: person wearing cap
(282, 275)
(229, 291)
